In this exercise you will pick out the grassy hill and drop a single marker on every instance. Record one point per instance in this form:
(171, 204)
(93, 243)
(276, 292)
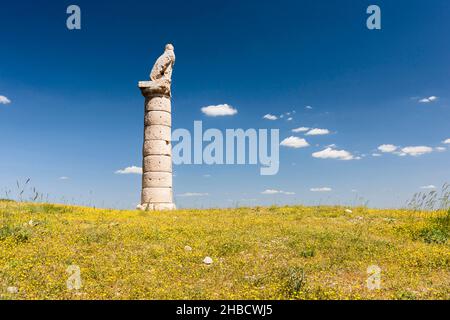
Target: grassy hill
(258, 253)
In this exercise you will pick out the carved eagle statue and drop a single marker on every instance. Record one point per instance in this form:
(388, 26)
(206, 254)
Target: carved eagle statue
(164, 65)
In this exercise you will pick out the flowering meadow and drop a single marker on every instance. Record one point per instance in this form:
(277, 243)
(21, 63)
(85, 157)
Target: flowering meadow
(254, 253)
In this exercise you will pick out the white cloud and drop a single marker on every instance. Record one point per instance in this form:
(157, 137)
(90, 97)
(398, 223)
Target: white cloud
(206, 176)
(130, 170)
(219, 110)
(308, 107)
(4, 100)
(294, 142)
(376, 155)
(193, 194)
(63, 178)
(428, 187)
(301, 129)
(317, 132)
(416, 151)
(270, 191)
(446, 141)
(330, 153)
(428, 100)
(440, 149)
(270, 117)
(289, 119)
(273, 191)
(387, 148)
(322, 189)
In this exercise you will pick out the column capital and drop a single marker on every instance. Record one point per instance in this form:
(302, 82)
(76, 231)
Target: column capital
(155, 88)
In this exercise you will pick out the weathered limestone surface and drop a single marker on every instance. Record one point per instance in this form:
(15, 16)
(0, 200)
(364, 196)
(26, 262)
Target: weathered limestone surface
(157, 147)
(156, 195)
(157, 191)
(158, 163)
(163, 118)
(157, 180)
(157, 132)
(159, 89)
(164, 65)
(157, 207)
(158, 103)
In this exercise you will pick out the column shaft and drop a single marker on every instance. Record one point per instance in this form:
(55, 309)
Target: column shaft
(157, 154)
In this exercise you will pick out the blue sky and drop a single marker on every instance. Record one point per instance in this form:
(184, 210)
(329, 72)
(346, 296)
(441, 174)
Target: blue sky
(75, 110)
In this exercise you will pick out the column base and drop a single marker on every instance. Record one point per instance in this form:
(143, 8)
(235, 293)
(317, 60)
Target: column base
(156, 207)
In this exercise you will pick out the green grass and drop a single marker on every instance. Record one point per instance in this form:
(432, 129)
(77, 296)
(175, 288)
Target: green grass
(258, 253)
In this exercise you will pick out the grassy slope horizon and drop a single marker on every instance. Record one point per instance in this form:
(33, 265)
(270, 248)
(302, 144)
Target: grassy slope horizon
(290, 252)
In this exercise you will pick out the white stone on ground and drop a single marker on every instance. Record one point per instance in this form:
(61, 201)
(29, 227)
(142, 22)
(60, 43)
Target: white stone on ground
(12, 290)
(208, 260)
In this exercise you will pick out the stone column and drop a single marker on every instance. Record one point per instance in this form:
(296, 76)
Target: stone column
(157, 151)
